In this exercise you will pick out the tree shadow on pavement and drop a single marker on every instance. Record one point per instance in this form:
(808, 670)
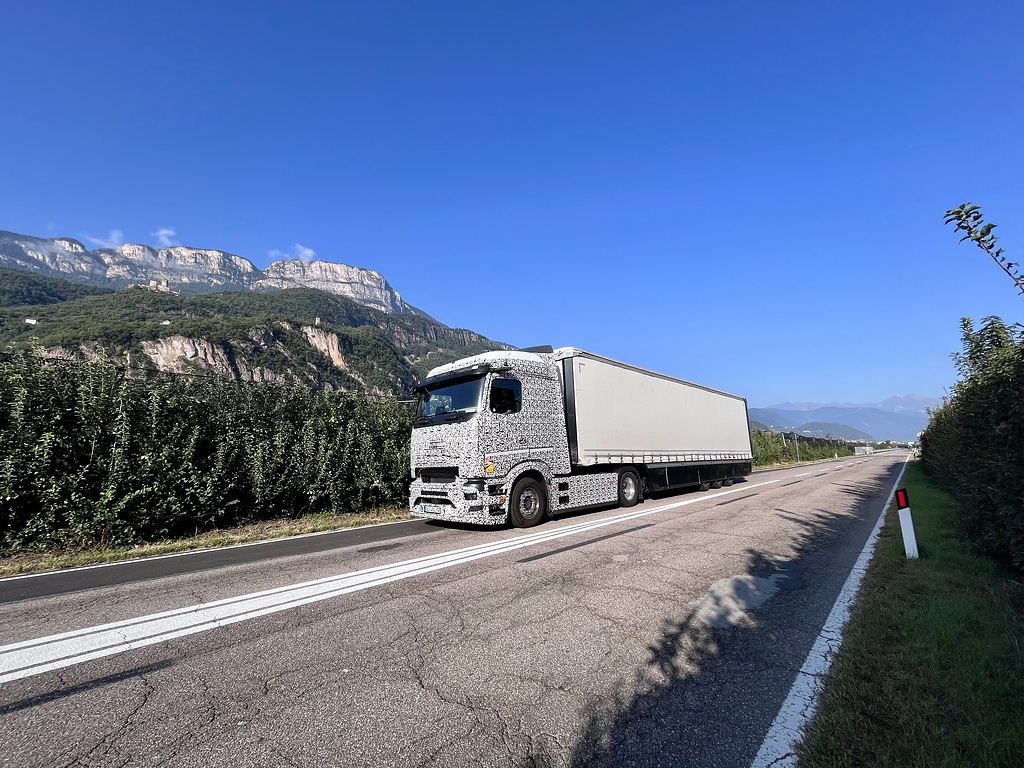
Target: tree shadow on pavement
(714, 678)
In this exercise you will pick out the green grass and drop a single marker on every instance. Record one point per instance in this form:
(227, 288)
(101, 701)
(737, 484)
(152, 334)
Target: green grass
(931, 669)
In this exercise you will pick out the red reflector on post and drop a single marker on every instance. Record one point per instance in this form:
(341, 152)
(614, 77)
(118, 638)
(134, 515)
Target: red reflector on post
(902, 499)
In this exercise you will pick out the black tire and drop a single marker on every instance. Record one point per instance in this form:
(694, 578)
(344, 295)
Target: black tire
(527, 506)
(727, 482)
(705, 486)
(629, 488)
(716, 484)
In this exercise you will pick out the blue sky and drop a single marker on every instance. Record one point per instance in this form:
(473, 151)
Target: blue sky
(744, 194)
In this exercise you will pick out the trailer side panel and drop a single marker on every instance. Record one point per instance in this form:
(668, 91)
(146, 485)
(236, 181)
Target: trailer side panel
(619, 414)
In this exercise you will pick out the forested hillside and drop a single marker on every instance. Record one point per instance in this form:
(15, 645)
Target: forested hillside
(25, 288)
(299, 335)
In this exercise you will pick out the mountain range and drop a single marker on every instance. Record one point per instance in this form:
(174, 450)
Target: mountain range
(191, 271)
(317, 323)
(904, 404)
(291, 336)
(897, 418)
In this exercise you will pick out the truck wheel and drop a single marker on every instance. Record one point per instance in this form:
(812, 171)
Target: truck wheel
(705, 486)
(527, 505)
(629, 488)
(716, 484)
(727, 482)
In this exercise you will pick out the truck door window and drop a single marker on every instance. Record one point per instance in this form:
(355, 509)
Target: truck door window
(506, 396)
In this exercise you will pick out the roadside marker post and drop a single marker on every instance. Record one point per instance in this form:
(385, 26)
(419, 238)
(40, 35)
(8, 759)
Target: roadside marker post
(906, 523)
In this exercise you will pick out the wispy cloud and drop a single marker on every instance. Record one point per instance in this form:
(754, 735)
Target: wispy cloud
(299, 251)
(114, 239)
(164, 237)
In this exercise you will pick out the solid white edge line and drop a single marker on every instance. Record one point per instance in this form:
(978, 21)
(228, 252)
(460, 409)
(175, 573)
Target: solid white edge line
(201, 551)
(215, 549)
(196, 618)
(800, 705)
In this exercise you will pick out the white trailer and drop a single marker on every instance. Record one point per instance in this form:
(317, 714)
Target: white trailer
(520, 435)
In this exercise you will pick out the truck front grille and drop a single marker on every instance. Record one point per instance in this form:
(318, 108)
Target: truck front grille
(439, 474)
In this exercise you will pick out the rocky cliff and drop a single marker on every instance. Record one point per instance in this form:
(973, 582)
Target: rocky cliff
(363, 285)
(191, 270)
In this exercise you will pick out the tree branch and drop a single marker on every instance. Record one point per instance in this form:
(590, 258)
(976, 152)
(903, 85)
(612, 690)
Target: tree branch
(969, 220)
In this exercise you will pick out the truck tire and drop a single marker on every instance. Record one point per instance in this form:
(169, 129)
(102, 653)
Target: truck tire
(629, 488)
(527, 506)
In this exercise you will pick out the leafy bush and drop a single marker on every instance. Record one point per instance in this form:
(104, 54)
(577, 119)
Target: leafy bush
(776, 448)
(974, 444)
(91, 456)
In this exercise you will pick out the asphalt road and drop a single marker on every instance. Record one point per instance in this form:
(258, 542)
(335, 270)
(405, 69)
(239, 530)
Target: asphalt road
(663, 635)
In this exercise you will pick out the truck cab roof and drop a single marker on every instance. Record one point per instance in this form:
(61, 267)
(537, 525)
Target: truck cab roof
(485, 360)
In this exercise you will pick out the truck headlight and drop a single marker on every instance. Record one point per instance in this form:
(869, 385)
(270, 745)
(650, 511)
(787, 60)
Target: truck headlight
(471, 489)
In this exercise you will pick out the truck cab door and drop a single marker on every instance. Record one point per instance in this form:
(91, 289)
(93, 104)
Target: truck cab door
(526, 416)
(505, 427)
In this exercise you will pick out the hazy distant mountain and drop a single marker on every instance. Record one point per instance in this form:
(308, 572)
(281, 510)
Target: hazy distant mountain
(829, 429)
(879, 424)
(909, 404)
(191, 271)
(904, 404)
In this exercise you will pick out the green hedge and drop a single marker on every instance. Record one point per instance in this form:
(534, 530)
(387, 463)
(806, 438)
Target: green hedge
(92, 456)
(775, 448)
(974, 444)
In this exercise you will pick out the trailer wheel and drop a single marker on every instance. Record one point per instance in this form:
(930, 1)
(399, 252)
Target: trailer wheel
(705, 486)
(629, 488)
(727, 482)
(527, 505)
(716, 484)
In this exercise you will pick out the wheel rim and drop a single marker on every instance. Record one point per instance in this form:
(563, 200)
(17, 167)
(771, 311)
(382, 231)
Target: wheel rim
(529, 504)
(628, 487)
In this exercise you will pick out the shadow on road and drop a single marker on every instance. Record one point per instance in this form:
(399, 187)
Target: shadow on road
(89, 685)
(700, 697)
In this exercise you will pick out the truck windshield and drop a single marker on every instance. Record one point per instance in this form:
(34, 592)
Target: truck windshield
(453, 396)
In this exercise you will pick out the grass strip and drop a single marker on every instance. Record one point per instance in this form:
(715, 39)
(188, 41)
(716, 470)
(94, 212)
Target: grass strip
(931, 669)
(37, 562)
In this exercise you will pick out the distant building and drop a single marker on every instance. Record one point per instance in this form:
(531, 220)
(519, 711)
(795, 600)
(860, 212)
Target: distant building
(157, 285)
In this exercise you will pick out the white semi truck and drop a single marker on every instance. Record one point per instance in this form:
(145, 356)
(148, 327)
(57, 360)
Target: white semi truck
(517, 436)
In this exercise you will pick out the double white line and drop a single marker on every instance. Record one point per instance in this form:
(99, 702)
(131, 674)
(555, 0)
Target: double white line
(33, 657)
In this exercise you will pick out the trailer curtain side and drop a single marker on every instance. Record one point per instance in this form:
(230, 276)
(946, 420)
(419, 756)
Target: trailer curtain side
(617, 413)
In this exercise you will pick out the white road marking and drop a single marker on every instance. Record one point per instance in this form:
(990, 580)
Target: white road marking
(33, 657)
(799, 707)
(199, 551)
(802, 474)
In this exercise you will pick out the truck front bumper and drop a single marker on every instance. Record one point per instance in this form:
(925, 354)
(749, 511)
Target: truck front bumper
(481, 502)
